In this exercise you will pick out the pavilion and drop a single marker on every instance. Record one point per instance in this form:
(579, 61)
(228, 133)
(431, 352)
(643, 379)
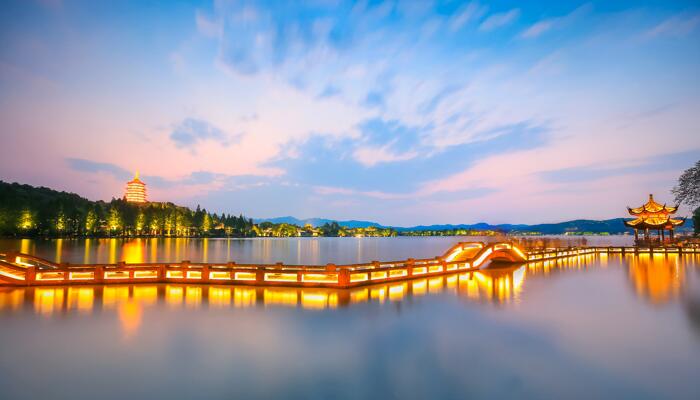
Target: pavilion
(653, 216)
(136, 191)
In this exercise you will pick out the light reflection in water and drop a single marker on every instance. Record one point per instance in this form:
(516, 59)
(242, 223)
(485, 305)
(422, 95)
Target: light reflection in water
(304, 251)
(133, 252)
(130, 316)
(657, 279)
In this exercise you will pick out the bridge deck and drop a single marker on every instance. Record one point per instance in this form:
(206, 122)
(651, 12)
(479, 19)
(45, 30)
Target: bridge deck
(27, 270)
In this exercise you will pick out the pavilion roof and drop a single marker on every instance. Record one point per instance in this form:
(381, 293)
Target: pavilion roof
(655, 222)
(652, 207)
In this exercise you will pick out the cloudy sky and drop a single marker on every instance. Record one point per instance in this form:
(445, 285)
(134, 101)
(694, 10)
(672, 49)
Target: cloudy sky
(401, 112)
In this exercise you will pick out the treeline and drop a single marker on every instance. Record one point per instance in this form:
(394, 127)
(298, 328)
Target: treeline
(27, 211)
(37, 211)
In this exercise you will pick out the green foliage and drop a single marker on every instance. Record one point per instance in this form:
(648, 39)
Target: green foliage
(38, 211)
(32, 211)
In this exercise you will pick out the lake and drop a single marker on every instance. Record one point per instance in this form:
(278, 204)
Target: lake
(596, 326)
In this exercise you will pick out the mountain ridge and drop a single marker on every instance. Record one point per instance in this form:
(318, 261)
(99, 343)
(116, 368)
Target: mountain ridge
(612, 225)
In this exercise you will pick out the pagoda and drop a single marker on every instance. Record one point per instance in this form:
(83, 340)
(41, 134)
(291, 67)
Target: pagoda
(653, 216)
(135, 190)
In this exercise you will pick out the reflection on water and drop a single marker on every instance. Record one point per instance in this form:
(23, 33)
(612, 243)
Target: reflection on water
(657, 279)
(268, 250)
(594, 326)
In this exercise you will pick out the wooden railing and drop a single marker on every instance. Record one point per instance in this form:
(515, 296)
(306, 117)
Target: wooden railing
(28, 270)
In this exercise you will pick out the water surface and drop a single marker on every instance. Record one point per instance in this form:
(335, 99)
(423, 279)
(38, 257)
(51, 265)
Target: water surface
(593, 326)
(305, 251)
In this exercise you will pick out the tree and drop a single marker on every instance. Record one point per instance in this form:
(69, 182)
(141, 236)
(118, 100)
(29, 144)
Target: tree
(687, 191)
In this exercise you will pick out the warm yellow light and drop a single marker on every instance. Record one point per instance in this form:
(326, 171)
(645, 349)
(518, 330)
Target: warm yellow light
(320, 278)
(244, 276)
(359, 277)
(280, 277)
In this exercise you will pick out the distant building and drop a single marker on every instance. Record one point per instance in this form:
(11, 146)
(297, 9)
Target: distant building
(135, 190)
(653, 216)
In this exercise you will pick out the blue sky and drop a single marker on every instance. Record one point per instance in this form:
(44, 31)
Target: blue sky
(403, 112)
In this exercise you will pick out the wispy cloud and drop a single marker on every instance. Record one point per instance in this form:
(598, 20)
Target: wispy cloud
(467, 13)
(674, 161)
(83, 165)
(676, 26)
(499, 20)
(194, 178)
(537, 29)
(545, 25)
(191, 131)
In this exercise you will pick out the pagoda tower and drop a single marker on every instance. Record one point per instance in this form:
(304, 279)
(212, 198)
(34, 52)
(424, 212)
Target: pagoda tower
(653, 215)
(135, 190)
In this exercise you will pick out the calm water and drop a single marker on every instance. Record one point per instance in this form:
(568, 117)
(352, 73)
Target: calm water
(586, 327)
(269, 250)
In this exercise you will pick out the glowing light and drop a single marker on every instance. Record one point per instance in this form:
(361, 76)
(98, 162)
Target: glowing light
(320, 278)
(193, 296)
(49, 276)
(113, 295)
(135, 190)
(81, 276)
(359, 295)
(219, 275)
(194, 274)
(435, 268)
(280, 277)
(397, 273)
(419, 287)
(47, 300)
(219, 297)
(145, 294)
(147, 274)
(396, 292)
(174, 295)
(175, 274)
(420, 270)
(280, 297)
(378, 275)
(359, 277)
(116, 275)
(130, 315)
(244, 276)
(243, 297)
(81, 298)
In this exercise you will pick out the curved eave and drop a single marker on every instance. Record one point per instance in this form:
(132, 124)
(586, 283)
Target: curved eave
(664, 224)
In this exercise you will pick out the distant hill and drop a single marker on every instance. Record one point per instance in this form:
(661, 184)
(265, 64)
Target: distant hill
(316, 222)
(614, 225)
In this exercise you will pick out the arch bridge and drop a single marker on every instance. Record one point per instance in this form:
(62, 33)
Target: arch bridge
(19, 269)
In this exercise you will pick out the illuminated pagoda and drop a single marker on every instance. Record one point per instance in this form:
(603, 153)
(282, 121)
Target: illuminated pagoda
(653, 216)
(135, 190)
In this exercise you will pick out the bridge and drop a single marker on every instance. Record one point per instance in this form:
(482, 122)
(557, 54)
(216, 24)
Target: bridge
(18, 269)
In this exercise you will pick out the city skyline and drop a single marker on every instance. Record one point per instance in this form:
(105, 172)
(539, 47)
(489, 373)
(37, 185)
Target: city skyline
(402, 113)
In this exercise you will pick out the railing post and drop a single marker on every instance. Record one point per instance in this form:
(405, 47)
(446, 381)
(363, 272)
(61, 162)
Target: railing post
(99, 274)
(409, 267)
(205, 274)
(30, 276)
(184, 267)
(343, 277)
(259, 276)
(66, 272)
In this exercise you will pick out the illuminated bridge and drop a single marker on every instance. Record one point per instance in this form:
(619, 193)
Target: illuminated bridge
(19, 269)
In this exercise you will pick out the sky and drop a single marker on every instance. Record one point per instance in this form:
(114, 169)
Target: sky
(400, 112)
